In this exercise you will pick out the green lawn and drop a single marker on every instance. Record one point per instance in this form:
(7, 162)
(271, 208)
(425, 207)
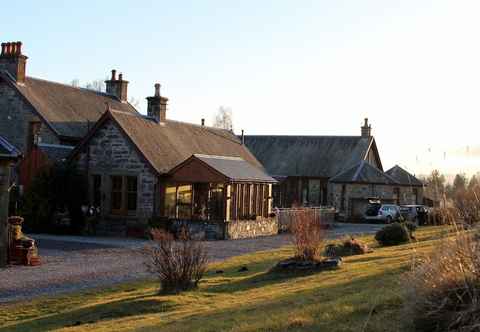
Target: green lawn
(365, 291)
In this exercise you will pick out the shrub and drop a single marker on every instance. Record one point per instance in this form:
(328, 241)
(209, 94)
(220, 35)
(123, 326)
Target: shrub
(57, 190)
(444, 287)
(467, 205)
(307, 235)
(179, 265)
(393, 234)
(348, 247)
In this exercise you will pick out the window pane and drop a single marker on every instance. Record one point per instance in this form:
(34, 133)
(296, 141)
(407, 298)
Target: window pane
(170, 195)
(97, 190)
(116, 200)
(184, 202)
(132, 183)
(132, 201)
(313, 192)
(116, 183)
(216, 203)
(200, 201)
(184, 194)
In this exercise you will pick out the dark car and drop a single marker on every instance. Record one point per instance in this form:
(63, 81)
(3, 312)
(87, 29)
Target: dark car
(415, 213)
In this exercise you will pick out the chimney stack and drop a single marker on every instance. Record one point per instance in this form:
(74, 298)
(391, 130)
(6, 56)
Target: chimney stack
(118, 88)
(13, 61)
(157, 105)
(366, 129)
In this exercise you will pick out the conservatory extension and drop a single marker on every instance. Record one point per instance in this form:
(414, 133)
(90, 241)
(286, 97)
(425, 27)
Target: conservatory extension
(218, 197)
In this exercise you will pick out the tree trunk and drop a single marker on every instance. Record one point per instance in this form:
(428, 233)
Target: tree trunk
(4, 198)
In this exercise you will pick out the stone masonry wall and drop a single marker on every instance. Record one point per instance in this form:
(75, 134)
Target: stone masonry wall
(364, 191)
(112, 154)
(241, 229)
(15, 116)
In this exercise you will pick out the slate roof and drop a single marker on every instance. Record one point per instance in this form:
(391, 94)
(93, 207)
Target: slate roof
(235, 168)
(166, 144)
(68, 111)
(403, 177)
(55, 152)
(363, 172)
(313, 156)
(8, 150)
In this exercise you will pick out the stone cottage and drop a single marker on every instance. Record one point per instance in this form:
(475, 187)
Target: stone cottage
(35, 112)
(340, 171)
(143, 168)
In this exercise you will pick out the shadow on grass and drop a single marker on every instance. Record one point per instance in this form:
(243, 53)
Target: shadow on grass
(325, 307)
(95, 313)
(269, 277)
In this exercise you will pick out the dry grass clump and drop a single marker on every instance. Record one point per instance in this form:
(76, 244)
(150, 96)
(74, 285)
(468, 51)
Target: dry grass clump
(442, 216)
(307, 235)
(347, 247)
(443, 289)
(179, 265)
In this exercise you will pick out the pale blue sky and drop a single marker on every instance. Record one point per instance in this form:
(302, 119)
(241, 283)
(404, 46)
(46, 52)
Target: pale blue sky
(284, 67)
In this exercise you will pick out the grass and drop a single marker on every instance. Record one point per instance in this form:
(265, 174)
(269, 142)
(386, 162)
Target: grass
(364, 295)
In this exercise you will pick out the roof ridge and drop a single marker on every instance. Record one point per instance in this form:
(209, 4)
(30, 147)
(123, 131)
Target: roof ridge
(306, 136)
(102, 93)
(201, 155)
(212, 130)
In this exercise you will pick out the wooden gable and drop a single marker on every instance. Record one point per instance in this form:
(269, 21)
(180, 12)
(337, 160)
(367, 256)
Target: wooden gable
(194, 170)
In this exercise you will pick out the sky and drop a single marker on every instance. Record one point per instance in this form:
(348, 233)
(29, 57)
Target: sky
(283, 67)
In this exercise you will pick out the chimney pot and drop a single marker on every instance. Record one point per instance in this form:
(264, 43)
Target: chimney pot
(366, 129)
(12, 60)
(203, 122)
(243, 138)
(157, 105)
(118, 88)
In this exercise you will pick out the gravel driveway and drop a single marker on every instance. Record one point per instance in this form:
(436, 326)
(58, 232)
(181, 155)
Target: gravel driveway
(71, 263)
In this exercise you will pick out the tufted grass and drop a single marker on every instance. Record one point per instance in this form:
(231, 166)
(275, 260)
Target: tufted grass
(364, 295)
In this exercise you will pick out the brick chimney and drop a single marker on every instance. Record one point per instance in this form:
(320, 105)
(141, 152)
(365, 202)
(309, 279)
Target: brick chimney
(13, 61)
(117, 87)
(366, 129)
(157, 106)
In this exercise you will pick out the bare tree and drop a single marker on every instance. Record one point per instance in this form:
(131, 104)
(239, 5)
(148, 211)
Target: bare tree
(134, 102)
(99, 85)
(224, 118)
(75, 83)
(96, 85)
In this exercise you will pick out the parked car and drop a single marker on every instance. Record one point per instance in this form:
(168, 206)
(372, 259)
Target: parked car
(386, 213)
(415, 213)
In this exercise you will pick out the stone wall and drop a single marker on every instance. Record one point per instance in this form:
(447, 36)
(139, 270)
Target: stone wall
(241, 229)
(200, 230)
(112, 154)
(15, 116)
